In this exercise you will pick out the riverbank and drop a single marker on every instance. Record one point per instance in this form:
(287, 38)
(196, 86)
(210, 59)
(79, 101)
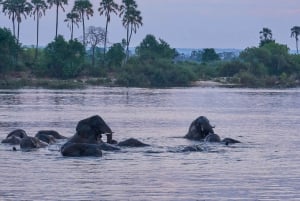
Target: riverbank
(84, 82)
(28, 80)
(212, 83)
(80, 83)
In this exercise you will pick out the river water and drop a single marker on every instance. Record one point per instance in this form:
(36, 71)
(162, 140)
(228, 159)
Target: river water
(265, 166)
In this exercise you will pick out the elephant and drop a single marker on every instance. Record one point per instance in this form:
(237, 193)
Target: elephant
(84, 149)
(199, 129)
(49, 136)
(52, 133)
(28, 143)
(131, 142)
(15, 137)
(90, 131)
(87, 141)
(81, 149)
(212, 137)
(49, 139)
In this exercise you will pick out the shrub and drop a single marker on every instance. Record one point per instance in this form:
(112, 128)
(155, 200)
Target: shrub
(248, 79)
(115, 55)
(150, 49)
(159, 73)
(9, 50)
(64, 59)
(229, 69)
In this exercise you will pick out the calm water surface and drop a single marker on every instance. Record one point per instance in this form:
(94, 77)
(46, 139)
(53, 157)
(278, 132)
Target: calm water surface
(266, 166)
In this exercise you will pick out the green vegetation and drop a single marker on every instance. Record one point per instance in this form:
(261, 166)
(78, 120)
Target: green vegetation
(73, 64)
(270, 65)
(8, 51)
(64, 59)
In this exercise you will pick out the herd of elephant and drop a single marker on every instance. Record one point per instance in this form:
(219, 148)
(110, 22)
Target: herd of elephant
(87, 141)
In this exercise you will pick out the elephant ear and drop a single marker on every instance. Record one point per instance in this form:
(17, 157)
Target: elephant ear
(18, 133)
(193, 127)
(99, 125)
(83, 129)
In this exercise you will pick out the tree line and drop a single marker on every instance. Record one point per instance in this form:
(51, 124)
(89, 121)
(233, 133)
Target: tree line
(154, 64)
(17, 10)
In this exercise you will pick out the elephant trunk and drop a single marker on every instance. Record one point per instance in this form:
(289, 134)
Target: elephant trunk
(109, 138)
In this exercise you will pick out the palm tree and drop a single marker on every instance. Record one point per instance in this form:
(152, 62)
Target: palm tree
(72, 18)
(39, 9)
(9, 7)
(295, 32)
(132, 20)
(57, 3)
(107, 7)
(83, 7)
(265, 36)
(23, 8)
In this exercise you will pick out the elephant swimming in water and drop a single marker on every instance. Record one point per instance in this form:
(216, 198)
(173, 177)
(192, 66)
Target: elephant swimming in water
(49, 136)
(131, 142)
(28, 143)
(15, 137)
(20, 137)
(90, 131)
(87, 141)
(201, 129)
(81, 149)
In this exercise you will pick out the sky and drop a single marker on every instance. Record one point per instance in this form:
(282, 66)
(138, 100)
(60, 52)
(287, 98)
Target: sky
(183, 23)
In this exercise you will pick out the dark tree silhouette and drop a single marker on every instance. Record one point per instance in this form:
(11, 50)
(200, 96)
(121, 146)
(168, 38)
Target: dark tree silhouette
(106, 8)
(132, 20)
(84, 8)
(72, 19)
(295, 32)
(57, 3)
(39, 9)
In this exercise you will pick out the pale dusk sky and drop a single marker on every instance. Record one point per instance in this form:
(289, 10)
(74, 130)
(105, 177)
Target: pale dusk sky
(183, 23)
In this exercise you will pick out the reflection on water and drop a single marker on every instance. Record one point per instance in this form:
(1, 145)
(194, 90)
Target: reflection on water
(266, 166)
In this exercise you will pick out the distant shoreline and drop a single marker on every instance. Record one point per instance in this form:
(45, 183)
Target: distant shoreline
(25, 79)
(28, 81)
(84, 82)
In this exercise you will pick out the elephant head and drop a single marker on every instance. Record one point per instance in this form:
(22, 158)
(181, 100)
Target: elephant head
(52, 133)
(17, 133)
(90, 130)
(15, 137)
(28, 143)
(199, 129)
(49, 139)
